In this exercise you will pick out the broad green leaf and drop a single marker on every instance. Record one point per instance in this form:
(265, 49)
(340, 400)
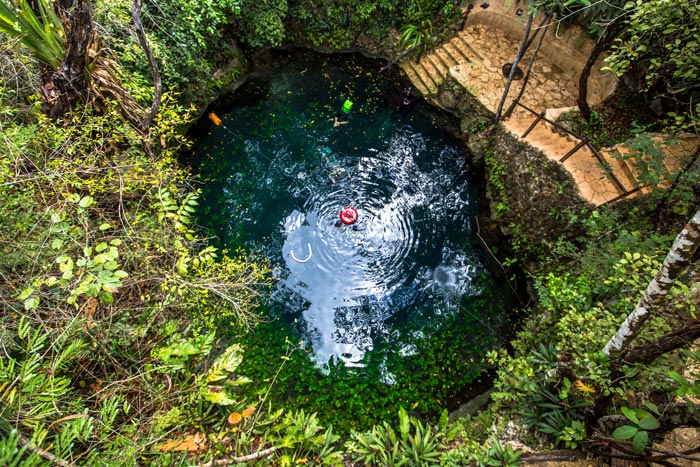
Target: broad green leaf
(86, 202)
(217, 395)
(640, 441)
(241, 380)
(226, 363)
(625, 432)
(106, 297)
(31, 303)
(649, 423)
(677, 377)
(25, 293)
(653, 407)
(630, 414)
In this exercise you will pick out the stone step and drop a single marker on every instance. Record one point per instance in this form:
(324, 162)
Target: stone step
(475, 58)
(415, 78)
(454, 50)
(624, 170)
(591, 178)
(434, 69)
(439, 63)
(555, 148)
(466, 41)
(673, 163)
(428, 74)
(518, 125)
(541, 131)
(629, 173)
(446, 58)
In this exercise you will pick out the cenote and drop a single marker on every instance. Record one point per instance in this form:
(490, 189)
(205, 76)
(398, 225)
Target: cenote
(394, 310)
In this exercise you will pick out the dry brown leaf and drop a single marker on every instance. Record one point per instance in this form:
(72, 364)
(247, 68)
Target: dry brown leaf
(192, 443)
(68, 417)
(89, 308)
(235, 418)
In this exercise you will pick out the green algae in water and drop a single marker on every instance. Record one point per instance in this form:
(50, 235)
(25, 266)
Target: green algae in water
(392, 310)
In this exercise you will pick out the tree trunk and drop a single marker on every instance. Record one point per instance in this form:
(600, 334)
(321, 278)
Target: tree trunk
(676, 262)
(529, 67)
(509, 81)
(680, 338)
(611, 32)
(158, 92)
(62, 88)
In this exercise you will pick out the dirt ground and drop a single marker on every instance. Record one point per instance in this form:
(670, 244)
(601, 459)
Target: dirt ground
(562, 458)
(682, 439)
(678, 440)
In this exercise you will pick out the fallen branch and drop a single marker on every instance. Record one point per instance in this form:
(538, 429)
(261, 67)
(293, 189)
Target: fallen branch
(26, 442)
(237, 460)
(674, 415)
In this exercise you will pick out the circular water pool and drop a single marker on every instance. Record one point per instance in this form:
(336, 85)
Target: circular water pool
(279, 171)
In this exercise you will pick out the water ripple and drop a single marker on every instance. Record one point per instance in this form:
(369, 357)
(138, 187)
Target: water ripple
(361, 274)
(278, 176)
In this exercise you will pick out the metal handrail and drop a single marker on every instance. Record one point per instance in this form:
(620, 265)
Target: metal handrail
(623, 195)
(607, 168)
(573, 150)
(583, 142)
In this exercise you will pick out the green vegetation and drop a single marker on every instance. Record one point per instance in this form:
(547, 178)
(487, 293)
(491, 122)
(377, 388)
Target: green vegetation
(496, 171)
(42, 34)
(614, 120)
(113, 304)
(417, 38)
(356, 23)
(357, 398)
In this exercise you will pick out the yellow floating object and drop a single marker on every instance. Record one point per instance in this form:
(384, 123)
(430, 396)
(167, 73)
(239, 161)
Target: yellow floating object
(215, 119)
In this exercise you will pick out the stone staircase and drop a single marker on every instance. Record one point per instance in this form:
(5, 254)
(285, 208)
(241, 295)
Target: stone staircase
(610, 177)
(474, 58)
(432, 69)
(596, 184)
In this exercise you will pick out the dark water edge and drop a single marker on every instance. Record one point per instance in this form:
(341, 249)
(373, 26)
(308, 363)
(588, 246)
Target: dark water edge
(356, 398)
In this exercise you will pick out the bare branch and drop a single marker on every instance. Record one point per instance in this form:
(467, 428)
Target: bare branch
(24, 441)
(136, 15)
(237, 460)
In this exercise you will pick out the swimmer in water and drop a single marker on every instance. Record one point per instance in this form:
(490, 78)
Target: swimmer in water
(342, 117)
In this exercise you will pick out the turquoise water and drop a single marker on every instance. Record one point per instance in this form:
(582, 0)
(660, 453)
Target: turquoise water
(276, 175)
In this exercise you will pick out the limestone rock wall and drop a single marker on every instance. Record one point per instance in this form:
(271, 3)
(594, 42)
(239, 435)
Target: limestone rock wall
(533, 194)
